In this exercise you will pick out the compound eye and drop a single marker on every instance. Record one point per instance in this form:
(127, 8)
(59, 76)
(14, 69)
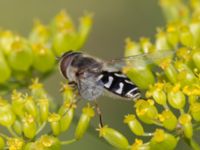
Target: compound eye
(64, 64)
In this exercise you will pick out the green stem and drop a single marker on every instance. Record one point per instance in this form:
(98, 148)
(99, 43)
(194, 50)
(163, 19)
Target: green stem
(193, 144)
(68, 142)
(147, 134)
(12, 132)
(41, 127)
(182, 111)
(4, 136)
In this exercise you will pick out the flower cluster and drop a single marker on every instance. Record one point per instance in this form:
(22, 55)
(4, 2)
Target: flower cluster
(35, 56)
(26, 115)
(170, 77)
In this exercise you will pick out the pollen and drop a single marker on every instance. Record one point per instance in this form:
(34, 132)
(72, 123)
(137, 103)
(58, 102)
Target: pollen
(192, 90)
(151, 102)
(176, 87)
(46, 141)
(159, 135)
(54, 117)
(171, 28)
(16, 95)
(17, 45)
(184, 119)
(137, 144)
(129, 43)
(41, 29)
(161, 117)
(15, 144)
(88, 110)
(159, 85)
(35, 84)
(129, 118)
(102, 130)
(165, 63)
(28, 118)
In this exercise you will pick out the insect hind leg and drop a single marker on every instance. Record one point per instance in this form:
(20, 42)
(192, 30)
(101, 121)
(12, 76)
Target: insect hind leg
(98, 110)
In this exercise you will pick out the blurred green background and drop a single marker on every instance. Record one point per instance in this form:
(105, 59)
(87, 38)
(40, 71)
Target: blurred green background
(114, 20)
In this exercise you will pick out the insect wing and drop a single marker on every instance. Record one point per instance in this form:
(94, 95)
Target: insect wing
(142, 60)
(90, 88)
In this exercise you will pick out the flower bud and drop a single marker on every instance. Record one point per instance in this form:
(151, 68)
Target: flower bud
(31, 146)
(186, 37)
(18, 103)
(171, 73)
(84, 29)
(4, 69)
(172, 34)
(47, 142)
(138, 71)
(168, 119)
(186, 75)
(62, 22)
(176, 98)
(114, 137)
(160, 97)
(20, 58)
(195, 30)
(142, 77)
(196, 59)
(7, 116)
(29, 126)
(157, 92)
(18, 127)
(192, 91)
(134, 124)
(131, 48)
(64, 34)
(66, 116)
(6, 40)
(146, 111)
(146, 45)
(68, 93)
(43, 105)
(43, 58)
(139, 145)
(54, 120)
(39, 34)
(30, 106)
(2, 143)
(174, 10)
(195, 110)
(15, 143)
(87, 114)
(162, 140)
(37, 90)
(161, 42)
(63, 41)
(185, 121)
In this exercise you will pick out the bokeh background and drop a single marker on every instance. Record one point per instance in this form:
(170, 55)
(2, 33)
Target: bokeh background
(114, 20)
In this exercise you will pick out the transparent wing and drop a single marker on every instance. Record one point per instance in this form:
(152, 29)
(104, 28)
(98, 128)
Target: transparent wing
(89, 87)
(141, 60)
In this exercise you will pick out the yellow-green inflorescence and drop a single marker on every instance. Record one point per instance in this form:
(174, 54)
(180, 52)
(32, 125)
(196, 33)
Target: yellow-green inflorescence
(169, 77)
(26, 115)
(171, 82)
(22, 58)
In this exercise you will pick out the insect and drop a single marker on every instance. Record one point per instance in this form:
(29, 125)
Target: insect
(93, 76)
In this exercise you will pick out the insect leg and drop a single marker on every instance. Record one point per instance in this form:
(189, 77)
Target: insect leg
(99, 114)
(71, 105)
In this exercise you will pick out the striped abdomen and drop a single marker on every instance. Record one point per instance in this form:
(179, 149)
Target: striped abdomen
(119, 84)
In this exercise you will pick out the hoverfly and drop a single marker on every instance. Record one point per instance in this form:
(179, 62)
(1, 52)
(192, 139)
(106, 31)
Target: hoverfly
(93, 76)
